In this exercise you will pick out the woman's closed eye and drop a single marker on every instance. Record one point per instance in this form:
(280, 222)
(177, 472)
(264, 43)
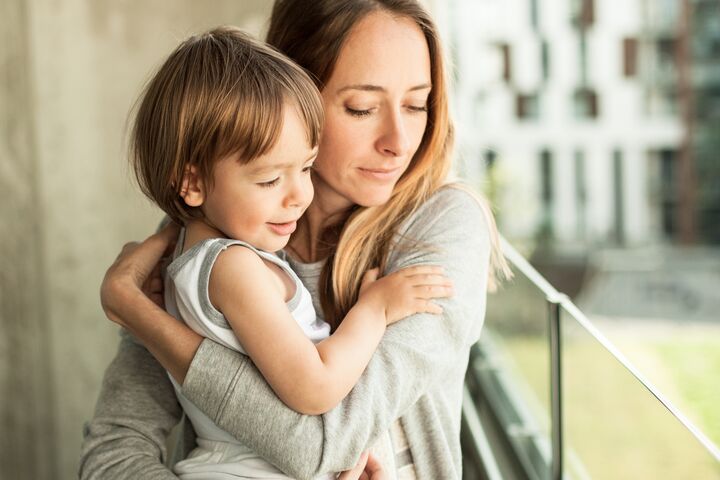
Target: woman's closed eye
(359, 112)
(417, 108)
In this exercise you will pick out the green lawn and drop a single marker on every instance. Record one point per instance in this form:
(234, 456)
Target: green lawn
(695, 369)
(615, 429)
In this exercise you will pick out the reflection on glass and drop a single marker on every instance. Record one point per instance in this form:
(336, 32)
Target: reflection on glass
(614, 427)
(515, 343)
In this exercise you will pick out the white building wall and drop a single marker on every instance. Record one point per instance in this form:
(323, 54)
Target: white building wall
(485, 114)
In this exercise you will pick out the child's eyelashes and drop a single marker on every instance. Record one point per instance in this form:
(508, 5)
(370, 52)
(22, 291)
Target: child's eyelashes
(270, 183)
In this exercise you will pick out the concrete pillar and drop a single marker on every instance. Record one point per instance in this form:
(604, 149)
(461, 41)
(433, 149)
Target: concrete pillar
(27, 414)
(69, 73)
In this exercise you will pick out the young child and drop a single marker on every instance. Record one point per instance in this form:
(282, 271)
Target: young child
(224, 141)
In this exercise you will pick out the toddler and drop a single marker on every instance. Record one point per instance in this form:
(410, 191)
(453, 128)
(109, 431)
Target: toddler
(224, 141)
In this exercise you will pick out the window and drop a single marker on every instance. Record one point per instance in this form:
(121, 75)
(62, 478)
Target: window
(534, 15)
(547, 195)
(580, 194)
(618, 197)
(527, 106)
(583, 13)
(585, 103)
(545, 59)
(506, 54)
(630, 60)
(664, 188)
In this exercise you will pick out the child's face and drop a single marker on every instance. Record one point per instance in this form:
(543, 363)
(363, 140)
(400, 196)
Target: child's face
(260, 202)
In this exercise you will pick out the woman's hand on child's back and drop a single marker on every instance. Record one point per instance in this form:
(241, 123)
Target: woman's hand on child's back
(405, 292)
(136, 269)
(368, 468)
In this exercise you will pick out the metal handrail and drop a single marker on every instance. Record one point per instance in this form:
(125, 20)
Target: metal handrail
(555, 297)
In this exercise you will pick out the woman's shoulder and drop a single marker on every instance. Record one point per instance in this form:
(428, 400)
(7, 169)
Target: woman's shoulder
(454, 203)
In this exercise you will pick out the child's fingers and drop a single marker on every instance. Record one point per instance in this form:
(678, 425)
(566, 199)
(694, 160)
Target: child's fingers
(428, 306)
(368, 278)
(429, 279)
(421, 270)
(432, 291)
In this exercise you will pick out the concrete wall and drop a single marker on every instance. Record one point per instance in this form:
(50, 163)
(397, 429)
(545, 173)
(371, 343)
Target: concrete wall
(69, 73)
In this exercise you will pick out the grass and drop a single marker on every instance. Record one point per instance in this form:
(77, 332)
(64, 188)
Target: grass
(695, 369)
(615, 428)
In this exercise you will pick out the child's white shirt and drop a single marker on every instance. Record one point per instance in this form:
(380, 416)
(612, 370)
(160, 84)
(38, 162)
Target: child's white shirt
(219, 455)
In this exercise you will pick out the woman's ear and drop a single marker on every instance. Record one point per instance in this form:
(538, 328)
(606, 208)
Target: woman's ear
(192, 190)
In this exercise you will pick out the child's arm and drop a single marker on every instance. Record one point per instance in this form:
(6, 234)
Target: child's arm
(312, 379)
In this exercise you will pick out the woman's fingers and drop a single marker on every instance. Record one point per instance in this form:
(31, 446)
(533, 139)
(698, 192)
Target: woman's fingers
(133, 269)
(357, 471)
(140, 259)
(373, 469)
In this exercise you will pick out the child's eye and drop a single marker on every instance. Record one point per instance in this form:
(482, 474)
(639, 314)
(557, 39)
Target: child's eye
(358, 113)
(269, 184)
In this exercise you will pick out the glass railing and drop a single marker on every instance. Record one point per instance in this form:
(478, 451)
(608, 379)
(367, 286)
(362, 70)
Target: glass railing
(549, 397)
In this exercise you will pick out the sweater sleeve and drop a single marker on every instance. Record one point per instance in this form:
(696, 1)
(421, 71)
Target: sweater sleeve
(413, 357)
(133, 417)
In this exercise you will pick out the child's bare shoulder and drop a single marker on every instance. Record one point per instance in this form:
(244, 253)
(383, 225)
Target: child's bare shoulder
(239, 260)
(238, 273)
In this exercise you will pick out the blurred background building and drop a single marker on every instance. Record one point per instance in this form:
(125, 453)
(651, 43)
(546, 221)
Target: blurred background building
(593, 127)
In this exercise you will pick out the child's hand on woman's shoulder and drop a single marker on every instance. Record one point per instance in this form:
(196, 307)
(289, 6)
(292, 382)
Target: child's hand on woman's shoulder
(405, 292)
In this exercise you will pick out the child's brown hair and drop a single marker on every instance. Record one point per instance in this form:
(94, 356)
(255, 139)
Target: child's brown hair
(218, 94)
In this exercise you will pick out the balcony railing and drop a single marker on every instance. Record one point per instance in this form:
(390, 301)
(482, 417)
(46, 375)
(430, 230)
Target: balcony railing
(548, 396)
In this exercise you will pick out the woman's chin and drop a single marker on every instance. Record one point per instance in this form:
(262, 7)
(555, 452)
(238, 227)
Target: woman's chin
(373, 197)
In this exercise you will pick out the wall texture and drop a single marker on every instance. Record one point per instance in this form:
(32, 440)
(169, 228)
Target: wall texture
(69, 73)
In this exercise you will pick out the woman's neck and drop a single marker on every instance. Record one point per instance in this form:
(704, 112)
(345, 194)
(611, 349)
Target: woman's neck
(308, 243)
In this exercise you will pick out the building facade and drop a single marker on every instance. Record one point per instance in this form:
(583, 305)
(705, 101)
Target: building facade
(571, 117)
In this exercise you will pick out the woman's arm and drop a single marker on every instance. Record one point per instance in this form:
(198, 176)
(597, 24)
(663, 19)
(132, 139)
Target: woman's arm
(313, 378)
(412, 357)
(135, 412)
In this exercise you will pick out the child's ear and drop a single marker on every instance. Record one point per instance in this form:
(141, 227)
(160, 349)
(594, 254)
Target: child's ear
(193, 187)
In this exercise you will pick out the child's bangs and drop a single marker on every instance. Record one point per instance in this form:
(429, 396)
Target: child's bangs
(307, 99)
(253, 122)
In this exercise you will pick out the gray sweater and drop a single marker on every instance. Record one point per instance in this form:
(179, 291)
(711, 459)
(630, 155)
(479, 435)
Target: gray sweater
(416, 374)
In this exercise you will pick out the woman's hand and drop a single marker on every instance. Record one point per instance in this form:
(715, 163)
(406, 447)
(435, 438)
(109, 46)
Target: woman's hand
(136, 270)
(367, 468)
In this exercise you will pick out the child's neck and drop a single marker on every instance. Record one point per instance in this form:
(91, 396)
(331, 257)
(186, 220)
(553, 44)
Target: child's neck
(198, 230)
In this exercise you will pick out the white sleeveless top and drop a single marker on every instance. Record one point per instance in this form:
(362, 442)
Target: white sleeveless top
(219, 455)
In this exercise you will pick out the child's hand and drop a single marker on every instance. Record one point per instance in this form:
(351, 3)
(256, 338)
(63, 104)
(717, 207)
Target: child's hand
(405, 292)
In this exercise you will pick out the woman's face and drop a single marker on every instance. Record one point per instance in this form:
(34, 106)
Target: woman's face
(375, 112)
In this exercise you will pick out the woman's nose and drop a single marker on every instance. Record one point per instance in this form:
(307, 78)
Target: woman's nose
(394, 139)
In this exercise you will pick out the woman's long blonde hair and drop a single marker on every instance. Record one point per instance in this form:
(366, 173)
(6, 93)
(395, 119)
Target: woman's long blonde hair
(312, 34)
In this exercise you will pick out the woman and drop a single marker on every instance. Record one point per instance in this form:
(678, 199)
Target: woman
(380, 201)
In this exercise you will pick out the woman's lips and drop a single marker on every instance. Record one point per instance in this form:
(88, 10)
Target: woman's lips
(283, 228)
(381, 174)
